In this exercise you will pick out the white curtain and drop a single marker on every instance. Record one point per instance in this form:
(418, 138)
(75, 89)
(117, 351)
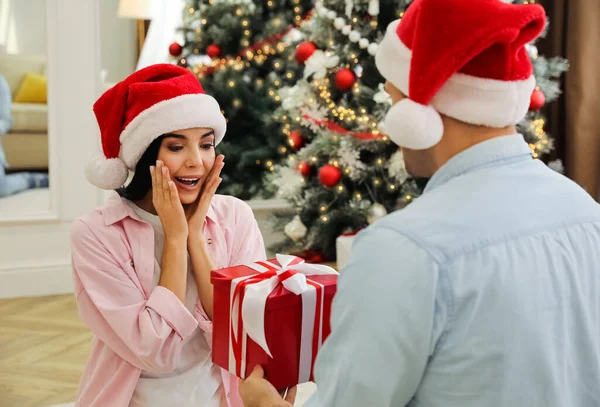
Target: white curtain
(162, 32)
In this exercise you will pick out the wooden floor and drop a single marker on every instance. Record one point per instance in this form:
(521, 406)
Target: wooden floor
(43, 349)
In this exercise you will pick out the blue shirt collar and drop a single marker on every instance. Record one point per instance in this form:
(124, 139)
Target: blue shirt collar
(492, 152)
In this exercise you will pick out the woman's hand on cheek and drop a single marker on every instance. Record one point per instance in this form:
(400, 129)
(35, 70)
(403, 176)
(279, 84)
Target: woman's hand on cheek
(167, 204)
(196, 212)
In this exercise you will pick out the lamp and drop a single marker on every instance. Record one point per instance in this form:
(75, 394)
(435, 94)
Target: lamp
(141, 10)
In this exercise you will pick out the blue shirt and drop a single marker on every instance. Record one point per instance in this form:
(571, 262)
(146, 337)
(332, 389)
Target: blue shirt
(5, 116)
(484, 292)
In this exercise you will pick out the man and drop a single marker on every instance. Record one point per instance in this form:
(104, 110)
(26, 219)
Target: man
(486, 290)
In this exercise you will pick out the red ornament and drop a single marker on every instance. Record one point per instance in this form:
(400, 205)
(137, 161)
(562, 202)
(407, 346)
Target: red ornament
(213, 51)
(317, 258)
(344, 79)
(330, 175)
(538, 100)
(304, 168)
(296, 140)
(304, 51)
(175, 49)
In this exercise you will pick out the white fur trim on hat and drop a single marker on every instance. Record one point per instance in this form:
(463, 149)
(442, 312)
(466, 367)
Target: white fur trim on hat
(106, 173)
(179, 113)
(480, 101)
(412, 125)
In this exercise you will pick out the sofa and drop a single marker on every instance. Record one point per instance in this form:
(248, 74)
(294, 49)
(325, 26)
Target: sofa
(26, 144)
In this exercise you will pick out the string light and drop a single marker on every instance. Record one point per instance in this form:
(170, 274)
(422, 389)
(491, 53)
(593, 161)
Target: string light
(324, 218)
(259, 58)
(343, 113)
(257, 162)
(231, 84)
(358, 196)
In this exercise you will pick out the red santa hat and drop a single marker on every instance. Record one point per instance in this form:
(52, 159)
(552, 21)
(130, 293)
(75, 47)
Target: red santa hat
(151, 102)
(462, 58)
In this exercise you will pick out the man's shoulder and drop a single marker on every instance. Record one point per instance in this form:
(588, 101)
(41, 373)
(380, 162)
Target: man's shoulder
(462, 214)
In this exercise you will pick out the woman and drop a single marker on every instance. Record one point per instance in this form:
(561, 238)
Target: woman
(141, 263)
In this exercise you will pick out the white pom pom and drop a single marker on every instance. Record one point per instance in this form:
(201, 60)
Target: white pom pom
(372, 48)
(106, 173)
(354, 36)
(413, 125)
(346, 30)
(331, 14)
(339, 23)
(363, 43)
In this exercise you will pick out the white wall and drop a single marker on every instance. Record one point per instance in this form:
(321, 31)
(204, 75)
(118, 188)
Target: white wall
(23, 26)
(118, 37)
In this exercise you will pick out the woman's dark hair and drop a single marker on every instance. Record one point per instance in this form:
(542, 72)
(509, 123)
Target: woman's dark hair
(142, 181)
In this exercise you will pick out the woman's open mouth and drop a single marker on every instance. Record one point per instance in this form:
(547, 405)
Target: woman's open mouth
(187, 183)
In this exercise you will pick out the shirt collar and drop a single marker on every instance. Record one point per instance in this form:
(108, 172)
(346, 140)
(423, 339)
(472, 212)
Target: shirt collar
(489, 153)
(116, 210)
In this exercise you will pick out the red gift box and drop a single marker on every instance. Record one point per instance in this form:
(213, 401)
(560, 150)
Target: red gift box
(285, 305)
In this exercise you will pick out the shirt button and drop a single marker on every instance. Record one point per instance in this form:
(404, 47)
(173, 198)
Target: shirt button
(228, 395)
(209, 241)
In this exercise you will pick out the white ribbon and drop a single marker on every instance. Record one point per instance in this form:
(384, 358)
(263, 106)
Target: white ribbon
(255, 299)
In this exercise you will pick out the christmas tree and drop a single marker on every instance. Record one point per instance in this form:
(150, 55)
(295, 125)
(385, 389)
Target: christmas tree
(349, 173)
(241, 51)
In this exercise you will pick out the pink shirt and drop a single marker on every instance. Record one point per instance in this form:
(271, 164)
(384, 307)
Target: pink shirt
(138, 326)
